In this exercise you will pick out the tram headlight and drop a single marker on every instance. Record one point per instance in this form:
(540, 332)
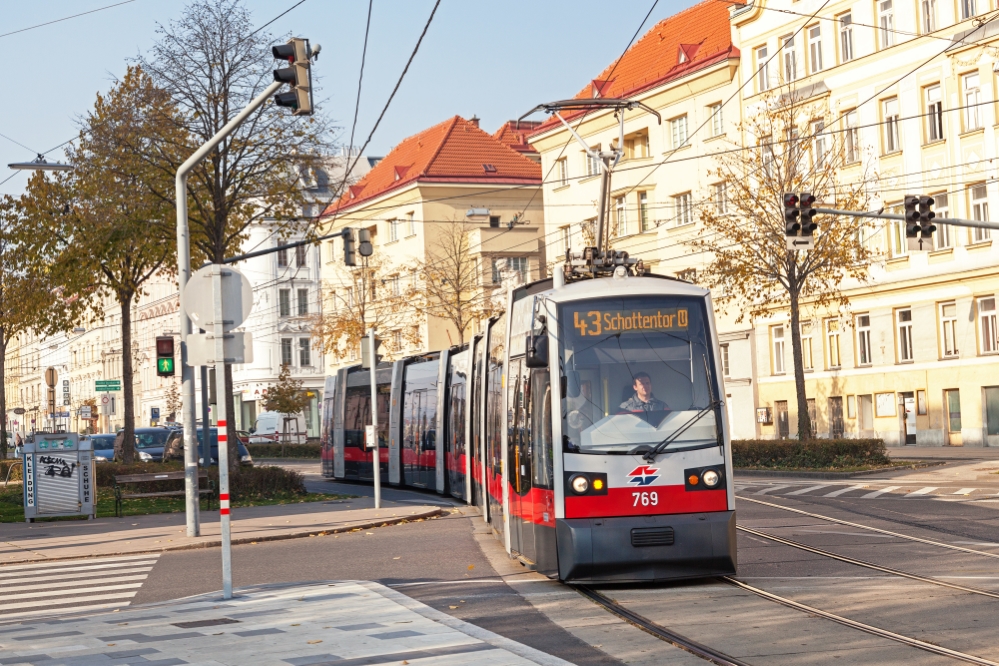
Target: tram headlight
(579, 484)
(710, 478)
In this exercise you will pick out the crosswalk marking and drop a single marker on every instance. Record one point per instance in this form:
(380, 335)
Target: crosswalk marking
(878, 493)
(965, 491)
(808, 490)
(837, 493)
(770, 489)
(921, 491)
(56, 588)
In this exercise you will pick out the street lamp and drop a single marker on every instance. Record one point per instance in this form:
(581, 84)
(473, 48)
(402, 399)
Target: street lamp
(477, 213)
(40, 164)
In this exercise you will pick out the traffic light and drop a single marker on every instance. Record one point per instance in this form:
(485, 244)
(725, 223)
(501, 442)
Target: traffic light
(349, 257)
(926, 228)
(366, 351)
(164, 356)
(912, 225)
(364, 242)
(298, 76)
(807, 213)
(791, 213)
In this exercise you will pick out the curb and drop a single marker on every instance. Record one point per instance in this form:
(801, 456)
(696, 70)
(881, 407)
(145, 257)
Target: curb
(433, 513)
(831, 475)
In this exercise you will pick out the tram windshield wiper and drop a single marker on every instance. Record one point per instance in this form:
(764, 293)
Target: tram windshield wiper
(651, 454)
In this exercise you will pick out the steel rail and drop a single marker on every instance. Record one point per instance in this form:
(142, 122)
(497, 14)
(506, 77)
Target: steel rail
(869, 565)
(867, 628)
(872, 529)
(659, 631)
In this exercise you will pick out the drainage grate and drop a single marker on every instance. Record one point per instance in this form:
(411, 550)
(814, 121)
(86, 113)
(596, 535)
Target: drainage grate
(205, 623)
(652, 536)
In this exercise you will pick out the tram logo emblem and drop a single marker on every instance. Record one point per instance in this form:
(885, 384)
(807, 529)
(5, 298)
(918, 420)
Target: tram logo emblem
(643, 475)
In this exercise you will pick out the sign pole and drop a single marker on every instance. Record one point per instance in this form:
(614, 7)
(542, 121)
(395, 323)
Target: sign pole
(376, 461)
(218, 331)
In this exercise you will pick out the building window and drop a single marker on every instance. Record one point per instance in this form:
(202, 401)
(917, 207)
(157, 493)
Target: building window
(717, 120)
(972, 99)
(819, 139)
(562, 172)
(284, 302)
(396, 285)
(636, 146)
(410, 224)
(851, 139)
(303, 302)
(780, 417)
(643, 211)
(301, 255)
(682, 206)
(968, 9)
(948, 320)
(678, 130)
(762, 75)
(592, 161)
(903, 319)
(846, 37)
(941, 237)
(832, 342)
(952, 398)
(396, 340)
(393, 226)
(767, 154)
(282, 257)
(304, 353)
(886, 23)
(726, 370)
(929, 8)
(934, 113)
(790, 59)
(516, 264)
(807, 358)
(620, 216)
(979, 212)
(286, 358)
(721, 198)
(777, 334)
(815, 49)
(564, 237)
(813, 416)
(898, 243)
(864, 356)
(987, 320)
(890, 113)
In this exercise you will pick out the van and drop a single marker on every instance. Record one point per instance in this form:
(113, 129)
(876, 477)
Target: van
(270, 425)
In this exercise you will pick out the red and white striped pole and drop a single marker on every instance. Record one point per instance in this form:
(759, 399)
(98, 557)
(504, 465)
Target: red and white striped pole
(218, 330)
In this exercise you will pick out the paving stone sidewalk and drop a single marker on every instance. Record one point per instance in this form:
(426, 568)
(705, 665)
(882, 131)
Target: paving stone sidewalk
(339, 623)
(55, 540)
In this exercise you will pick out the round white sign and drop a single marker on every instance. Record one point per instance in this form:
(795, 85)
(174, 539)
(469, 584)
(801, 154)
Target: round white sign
(237, 298)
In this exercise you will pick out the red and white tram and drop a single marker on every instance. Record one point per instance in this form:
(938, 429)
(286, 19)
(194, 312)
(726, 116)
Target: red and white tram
(604, 459)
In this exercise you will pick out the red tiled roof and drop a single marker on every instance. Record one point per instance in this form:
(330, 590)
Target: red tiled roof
(514, 133)
(455, 150)
(702, 33)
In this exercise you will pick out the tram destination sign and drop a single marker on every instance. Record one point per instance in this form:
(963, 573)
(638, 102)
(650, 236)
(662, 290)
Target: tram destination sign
(604, 322)
(107, 385)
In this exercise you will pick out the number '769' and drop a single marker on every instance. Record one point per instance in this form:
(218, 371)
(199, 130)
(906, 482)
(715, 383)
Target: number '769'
(645, 499)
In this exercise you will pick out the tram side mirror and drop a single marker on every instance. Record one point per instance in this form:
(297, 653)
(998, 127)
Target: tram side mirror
(537, 350)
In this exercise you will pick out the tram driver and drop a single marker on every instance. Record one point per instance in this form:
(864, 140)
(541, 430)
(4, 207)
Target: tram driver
(643, 400)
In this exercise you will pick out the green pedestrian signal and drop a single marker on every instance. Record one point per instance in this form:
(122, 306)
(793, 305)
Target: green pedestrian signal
(164, 366)
(164, 356)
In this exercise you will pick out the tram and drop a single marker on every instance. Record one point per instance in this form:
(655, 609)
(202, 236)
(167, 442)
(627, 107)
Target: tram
(585, 423)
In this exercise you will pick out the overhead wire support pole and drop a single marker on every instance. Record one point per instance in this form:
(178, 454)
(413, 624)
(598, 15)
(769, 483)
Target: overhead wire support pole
(954, 221)
(183, 275)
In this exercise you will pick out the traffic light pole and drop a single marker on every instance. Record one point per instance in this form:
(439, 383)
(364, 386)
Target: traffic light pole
(183, 275)
(376, 463)
(955, 221)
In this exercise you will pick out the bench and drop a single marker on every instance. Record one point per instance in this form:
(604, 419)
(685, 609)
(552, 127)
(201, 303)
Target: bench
(129, 479)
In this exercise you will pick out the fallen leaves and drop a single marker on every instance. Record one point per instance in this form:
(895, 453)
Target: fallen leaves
(314, 642)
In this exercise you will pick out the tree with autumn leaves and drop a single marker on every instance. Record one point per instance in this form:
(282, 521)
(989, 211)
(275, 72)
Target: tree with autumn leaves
(788, 149)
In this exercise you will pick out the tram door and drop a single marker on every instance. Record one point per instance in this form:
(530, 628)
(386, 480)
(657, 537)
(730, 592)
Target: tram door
(519, 458)
(495, 421)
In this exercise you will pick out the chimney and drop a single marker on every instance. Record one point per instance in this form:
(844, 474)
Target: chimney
(474, 120)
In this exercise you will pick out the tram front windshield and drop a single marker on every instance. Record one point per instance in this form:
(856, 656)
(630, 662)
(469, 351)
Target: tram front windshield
(636, 372)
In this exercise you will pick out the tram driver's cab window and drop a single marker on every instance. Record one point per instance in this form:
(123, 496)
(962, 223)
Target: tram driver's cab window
(635, 373)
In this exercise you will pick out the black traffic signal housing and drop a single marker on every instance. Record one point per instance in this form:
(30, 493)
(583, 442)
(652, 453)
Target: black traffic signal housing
(805, 204)
(299, 76)
(791, 213)
(364, 245)
(926, 214)
(164, 356)
(912, 226)
(349, 255)
(366, 351)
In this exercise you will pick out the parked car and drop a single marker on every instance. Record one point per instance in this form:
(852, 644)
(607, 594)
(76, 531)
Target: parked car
(103, 447)
(149, 443)
(174, 449)
(270, 426)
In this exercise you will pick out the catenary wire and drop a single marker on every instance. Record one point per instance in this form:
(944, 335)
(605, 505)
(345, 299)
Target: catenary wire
(66, 18)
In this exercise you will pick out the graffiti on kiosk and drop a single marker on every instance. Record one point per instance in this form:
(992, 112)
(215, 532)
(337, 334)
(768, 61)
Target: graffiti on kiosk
(56, 467)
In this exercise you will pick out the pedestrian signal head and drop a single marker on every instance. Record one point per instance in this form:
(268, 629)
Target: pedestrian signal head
(164, 356)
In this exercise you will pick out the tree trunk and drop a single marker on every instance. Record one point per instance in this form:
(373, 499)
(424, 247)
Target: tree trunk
(804, 422)
(128, 435)
(230, 417)
(3, 395)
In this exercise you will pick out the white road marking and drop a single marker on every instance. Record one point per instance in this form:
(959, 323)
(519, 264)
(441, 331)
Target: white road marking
(977, 543)
(878, 493)
(965, 491)
(770, 489)
(35, 579)
(70, 583)
(56, 567)
(74, 609)
(837, 493)
(79, 590)
(56, 602)
(922, 491)
(807, 490)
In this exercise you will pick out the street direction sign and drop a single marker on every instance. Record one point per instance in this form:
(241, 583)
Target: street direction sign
(800, 243)
(237, 298)
(85, 412)
(19, 410)
(920, 244)
(106, 385)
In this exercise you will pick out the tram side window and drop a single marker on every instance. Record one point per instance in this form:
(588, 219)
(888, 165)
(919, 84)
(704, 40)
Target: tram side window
(541, 428)
(357, 415)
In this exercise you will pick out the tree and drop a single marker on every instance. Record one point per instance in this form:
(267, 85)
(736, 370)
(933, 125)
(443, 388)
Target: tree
(108, 230)
(449, 281)
(750, 265)
(173, 401)
(213, 62)
(286, 397)
(361, 297)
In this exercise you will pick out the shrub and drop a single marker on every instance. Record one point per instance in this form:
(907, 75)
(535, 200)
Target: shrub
(818, 453)
(290, 450)
(243, 481)
(6, 465)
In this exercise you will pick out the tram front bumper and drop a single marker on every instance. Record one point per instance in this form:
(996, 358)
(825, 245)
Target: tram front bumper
(646, 548)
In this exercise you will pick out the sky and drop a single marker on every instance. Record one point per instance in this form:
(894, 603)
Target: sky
(493, 59)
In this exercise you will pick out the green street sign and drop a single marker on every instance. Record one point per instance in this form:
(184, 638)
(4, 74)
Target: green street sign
(164, 366)
(107, 385)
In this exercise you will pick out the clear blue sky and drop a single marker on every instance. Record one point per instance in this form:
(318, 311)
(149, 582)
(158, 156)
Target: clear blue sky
(495, 59)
